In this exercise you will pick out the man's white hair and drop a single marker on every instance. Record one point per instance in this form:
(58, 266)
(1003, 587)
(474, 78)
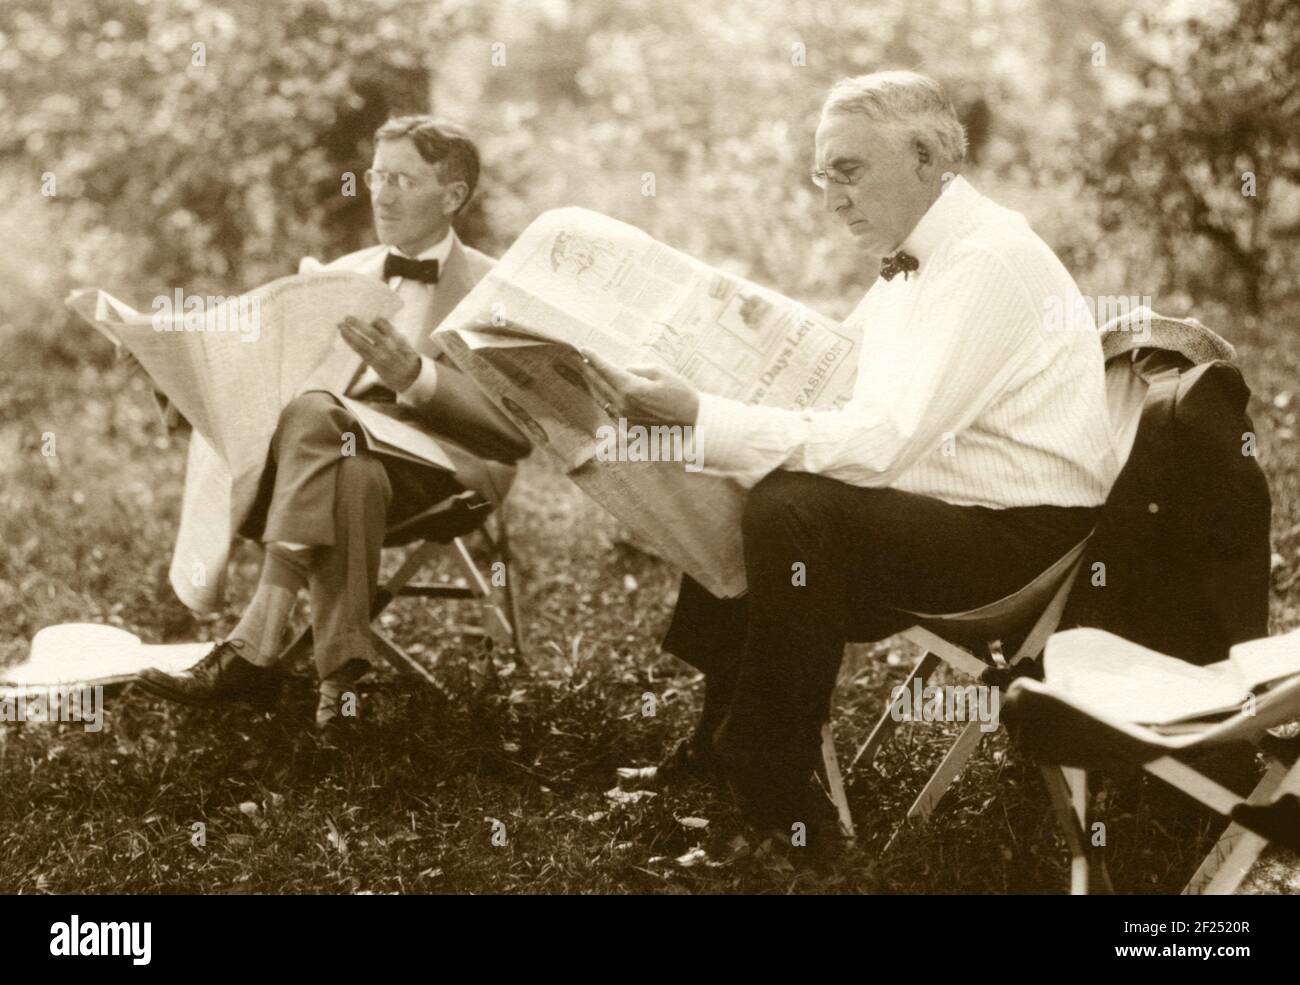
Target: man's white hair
(912, 104)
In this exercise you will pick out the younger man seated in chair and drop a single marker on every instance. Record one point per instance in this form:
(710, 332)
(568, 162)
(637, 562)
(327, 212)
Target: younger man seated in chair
(322, 513)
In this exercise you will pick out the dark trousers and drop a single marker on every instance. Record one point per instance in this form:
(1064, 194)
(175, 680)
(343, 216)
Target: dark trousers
(827, 563)
(314, 493)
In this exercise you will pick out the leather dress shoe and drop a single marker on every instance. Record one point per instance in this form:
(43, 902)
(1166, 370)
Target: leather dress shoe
(223, 675)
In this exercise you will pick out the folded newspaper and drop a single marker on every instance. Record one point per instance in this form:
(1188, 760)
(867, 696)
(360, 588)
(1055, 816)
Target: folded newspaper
(1122, 681)
(577, 279)
(229, 365)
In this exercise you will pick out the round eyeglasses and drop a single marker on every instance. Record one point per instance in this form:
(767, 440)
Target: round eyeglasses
(823, 177)
(376, 180)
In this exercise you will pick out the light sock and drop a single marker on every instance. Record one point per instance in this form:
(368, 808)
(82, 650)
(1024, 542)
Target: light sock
(262, 626)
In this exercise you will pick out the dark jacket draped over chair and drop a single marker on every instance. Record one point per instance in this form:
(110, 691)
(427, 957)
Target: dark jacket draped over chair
(1180, 558)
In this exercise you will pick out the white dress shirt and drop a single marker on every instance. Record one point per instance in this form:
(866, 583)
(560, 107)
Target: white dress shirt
(962, 392)
(410, 323)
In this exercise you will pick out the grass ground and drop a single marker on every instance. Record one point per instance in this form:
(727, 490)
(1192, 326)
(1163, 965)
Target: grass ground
(498, 748)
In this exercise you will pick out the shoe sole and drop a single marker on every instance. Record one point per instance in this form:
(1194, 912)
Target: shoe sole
(260, 702)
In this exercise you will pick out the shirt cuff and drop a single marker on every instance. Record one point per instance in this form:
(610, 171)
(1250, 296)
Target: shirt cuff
(720, 432)
(421, 391)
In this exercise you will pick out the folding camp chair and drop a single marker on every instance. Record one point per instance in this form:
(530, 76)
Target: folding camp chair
(1030, 616)
(1066, 740)
(436, 533)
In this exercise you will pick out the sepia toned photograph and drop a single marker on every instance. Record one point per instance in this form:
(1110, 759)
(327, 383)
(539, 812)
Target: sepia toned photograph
(690, 447)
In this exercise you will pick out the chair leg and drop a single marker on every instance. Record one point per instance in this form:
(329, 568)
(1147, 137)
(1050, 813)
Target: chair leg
(411, 565)
(887, 724)
(947, 651)
(495, 623)
(928, 799)
(942, 778)
(834, 782)
(504, 553)
(1065, 797)
(516, 621)
(402, 661)
(415, 560)
(1235, 853)
(1077, 780)
(1195, 784)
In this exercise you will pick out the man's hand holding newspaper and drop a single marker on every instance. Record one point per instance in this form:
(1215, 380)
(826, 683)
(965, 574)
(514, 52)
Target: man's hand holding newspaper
(578, 281)
(649, 394)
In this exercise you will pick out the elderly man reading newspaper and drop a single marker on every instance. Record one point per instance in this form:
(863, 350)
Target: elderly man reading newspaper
(974, 452)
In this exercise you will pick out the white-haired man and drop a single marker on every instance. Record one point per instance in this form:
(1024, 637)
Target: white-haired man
(974, 452)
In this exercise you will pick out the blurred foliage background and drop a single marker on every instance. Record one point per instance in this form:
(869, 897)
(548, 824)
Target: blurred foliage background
(147, 144)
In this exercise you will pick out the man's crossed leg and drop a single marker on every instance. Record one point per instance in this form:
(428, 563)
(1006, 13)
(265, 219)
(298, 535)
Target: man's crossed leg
(323, 507)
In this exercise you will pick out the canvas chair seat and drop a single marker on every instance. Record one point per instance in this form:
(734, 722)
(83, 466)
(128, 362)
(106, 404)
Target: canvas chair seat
(1052, 728)
(443, 522)
(1010, 618)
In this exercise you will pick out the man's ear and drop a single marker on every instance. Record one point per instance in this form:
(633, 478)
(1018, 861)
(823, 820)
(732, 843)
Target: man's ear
(454, 197)
(926, 160)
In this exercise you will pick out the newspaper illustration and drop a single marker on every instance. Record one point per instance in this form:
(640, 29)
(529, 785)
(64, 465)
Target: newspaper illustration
(229, 366)
(577, 279)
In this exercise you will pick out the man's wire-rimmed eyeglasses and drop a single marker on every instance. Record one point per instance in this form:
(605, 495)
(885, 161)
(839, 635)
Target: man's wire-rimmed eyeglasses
(822, 177)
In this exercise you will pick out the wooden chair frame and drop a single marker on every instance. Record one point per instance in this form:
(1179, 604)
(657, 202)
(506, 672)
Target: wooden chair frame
(1046, 595)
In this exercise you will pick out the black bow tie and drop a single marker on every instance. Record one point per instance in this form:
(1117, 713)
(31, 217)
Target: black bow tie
(900, 262)
(425, 271)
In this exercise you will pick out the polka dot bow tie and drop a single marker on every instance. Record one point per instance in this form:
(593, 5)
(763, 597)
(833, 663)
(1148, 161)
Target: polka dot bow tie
(900, 262)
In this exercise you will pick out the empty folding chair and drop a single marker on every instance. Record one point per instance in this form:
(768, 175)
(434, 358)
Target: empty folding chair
(1067, 739)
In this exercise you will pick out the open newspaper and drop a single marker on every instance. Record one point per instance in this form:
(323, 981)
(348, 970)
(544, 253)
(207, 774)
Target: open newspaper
(577, 279)
(229, 366)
